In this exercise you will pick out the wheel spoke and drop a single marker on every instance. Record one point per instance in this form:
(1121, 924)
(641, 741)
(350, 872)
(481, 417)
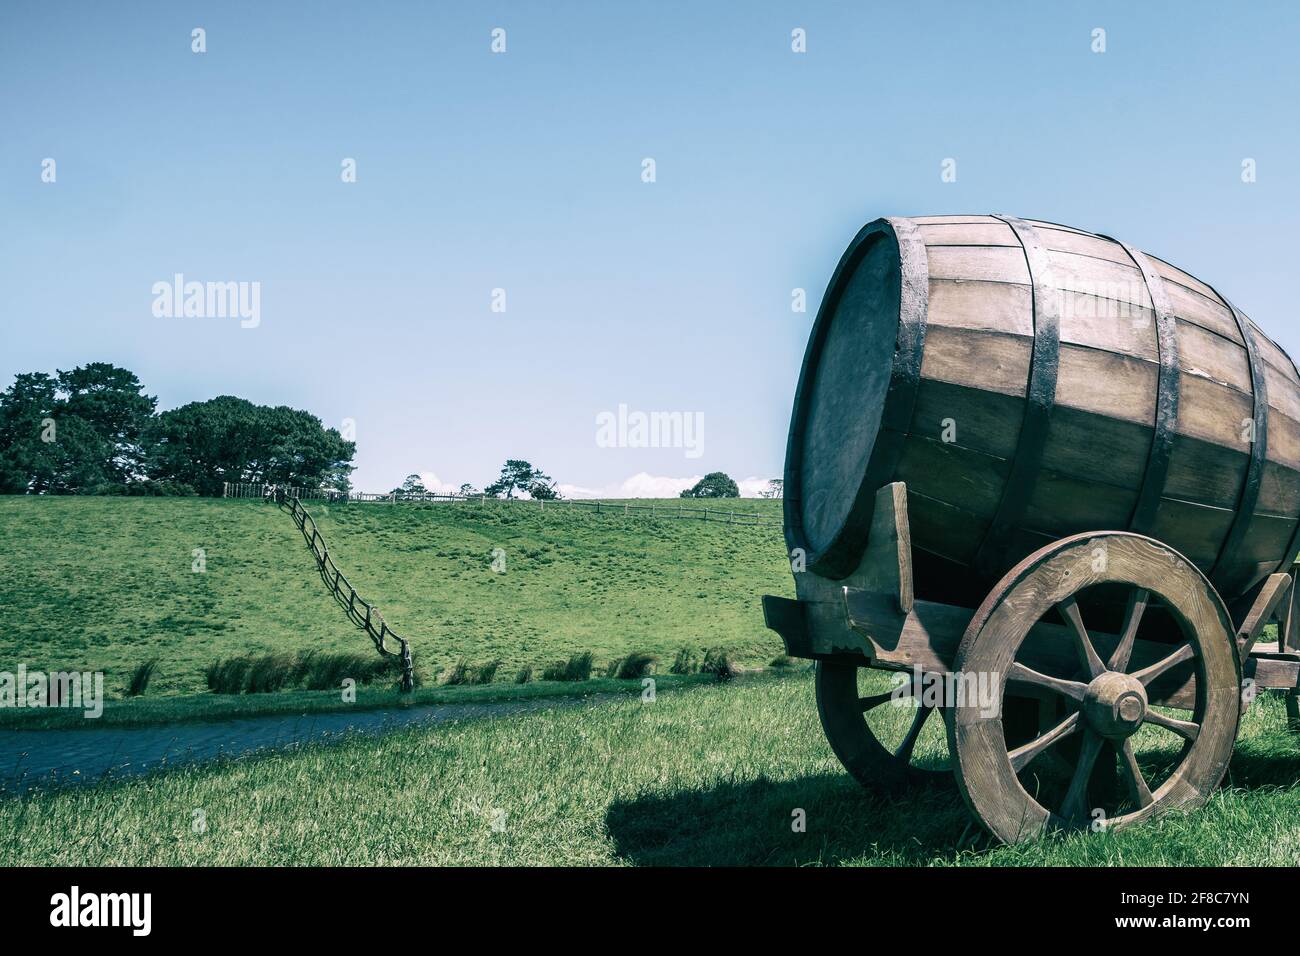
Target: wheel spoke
(1183, 728)
(1147, 674)
(1137, 604)
(904, 751)
(1072, 808)
(1137, 784)
(1021, 756)
(875, 700)
(1027, 675)
(1088, 656)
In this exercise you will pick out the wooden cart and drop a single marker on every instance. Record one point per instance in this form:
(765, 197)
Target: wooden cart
(1060, 680)
(960, 427)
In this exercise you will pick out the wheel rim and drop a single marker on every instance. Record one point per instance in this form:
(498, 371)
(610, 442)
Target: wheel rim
(1105, 695)
(882, 764)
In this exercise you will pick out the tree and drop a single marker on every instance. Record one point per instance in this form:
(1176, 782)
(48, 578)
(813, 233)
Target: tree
(519, 475)
(112, 402)
(73, 432)
(26, 414)
(411, 486)
(230, 439)
(775, 489)
(716, 484)
(468, 491)
(541, 491)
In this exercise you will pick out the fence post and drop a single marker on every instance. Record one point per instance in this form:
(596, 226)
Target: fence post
(408, 669)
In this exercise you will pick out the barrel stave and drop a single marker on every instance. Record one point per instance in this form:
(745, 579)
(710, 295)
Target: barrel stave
(957, 451)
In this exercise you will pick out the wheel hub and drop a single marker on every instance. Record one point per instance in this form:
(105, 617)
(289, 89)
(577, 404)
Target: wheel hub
(1115, 704)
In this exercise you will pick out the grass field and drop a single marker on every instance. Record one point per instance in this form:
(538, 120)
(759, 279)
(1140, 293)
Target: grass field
(107, 583)
(170, 709)
(706, 775)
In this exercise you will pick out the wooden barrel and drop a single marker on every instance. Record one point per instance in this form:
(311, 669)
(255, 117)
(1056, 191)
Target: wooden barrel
(1028, 381)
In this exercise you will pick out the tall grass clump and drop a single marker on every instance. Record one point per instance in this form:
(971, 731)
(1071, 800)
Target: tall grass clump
(576, 668)
(458, 674)
(267, 673)
(486, 673)
(329, 671)
(686, 662)
(717, 663)
(636, 665)
(140, 678)
(227, 676)
(525, 675)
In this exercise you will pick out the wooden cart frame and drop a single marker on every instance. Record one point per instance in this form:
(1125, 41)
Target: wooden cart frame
(1068, 698)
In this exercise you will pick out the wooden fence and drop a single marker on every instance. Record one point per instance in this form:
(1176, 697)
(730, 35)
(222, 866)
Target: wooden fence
(362, 613)
(654, 509)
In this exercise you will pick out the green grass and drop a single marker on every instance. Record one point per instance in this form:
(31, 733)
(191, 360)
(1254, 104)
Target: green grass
(185, 708)
(706, 775)
(106, 584)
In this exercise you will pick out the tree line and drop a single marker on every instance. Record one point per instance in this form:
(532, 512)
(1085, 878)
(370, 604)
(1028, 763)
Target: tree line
(94, 430)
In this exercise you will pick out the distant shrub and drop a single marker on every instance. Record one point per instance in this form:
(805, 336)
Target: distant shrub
(458, 674)
(783, 660)
(636, 665)
(140, 678)
(144, 489)
(576, 668)
(717, 663)
(525, 675)
(686, 662)
(486, 673)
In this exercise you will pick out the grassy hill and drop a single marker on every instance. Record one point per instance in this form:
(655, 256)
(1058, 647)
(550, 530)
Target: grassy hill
(107, 583)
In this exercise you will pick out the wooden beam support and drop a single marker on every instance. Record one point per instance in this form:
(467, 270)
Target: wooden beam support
(1270, 597)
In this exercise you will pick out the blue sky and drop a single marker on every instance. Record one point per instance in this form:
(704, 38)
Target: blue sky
(522, 171)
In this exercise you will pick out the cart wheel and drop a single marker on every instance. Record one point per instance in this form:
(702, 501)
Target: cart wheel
(874, 730)
(1104, 702)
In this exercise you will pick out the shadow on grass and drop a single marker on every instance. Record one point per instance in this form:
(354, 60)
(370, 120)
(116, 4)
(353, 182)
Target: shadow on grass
(1255, 767)
(752, 824)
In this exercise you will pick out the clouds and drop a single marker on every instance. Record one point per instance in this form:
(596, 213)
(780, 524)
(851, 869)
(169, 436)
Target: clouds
(645, 485)
(436, 485)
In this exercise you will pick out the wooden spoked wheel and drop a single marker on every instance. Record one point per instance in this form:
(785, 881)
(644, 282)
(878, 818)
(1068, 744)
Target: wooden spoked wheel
(874, 723)
(1101, 686)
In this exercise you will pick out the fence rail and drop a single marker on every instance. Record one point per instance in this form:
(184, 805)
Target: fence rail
(361, 612)
(654, 509)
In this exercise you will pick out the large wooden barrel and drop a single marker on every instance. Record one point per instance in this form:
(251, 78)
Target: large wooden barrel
(1028, 381)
